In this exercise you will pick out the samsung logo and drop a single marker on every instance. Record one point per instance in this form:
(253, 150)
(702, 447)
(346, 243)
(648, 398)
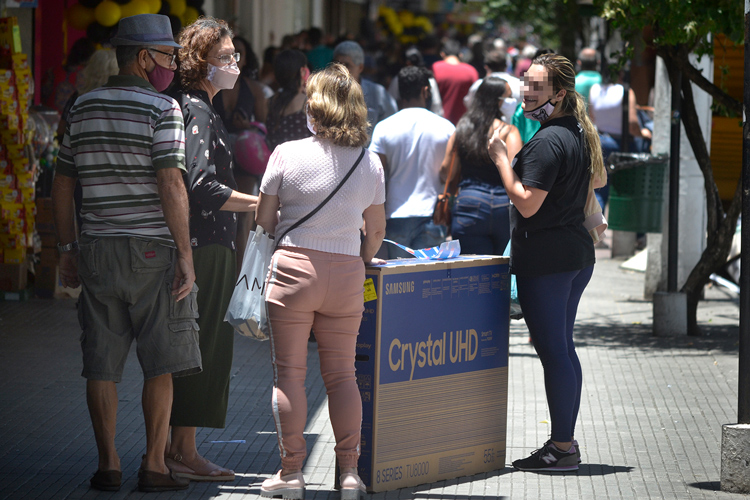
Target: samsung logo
(401, 287)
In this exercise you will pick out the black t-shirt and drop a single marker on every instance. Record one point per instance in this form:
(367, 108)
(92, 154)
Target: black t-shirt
(553, 240)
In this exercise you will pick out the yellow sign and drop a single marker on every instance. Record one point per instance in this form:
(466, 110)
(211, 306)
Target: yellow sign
(370, 293)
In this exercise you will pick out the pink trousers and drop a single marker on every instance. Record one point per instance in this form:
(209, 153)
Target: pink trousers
(323, 291)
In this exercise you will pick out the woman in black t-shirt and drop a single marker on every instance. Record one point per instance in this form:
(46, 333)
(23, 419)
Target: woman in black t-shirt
(552, 254)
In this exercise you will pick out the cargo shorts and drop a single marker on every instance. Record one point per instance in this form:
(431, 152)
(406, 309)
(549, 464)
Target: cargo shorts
(127, 295)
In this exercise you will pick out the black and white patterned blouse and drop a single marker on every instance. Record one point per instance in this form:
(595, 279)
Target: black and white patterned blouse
(209, 179)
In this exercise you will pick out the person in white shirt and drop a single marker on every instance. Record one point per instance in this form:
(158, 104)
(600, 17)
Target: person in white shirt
(414, 58)
(495, 62)
(411, 144)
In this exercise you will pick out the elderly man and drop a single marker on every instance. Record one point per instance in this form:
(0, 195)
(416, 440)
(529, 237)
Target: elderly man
(125, 143)
(380, 104)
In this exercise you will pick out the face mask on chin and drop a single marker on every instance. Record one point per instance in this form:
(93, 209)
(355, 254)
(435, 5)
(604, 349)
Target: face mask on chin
(160, 77)
(542, 113)
(223, 77)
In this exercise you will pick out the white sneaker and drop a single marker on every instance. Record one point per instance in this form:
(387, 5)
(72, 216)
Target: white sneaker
(351, 486)
(289, 487)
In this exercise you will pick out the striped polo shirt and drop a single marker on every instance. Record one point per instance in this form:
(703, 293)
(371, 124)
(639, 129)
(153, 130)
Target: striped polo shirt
(116, 139)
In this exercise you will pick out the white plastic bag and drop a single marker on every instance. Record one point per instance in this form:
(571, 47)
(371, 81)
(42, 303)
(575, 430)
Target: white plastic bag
(247, 311)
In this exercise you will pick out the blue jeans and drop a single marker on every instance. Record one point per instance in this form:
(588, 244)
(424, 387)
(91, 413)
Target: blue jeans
(412, 232)
(481, 218)
(549, 305)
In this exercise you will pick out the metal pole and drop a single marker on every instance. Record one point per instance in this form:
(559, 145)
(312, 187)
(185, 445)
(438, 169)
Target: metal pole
(743, 406)
(625, 119)
(674, 180)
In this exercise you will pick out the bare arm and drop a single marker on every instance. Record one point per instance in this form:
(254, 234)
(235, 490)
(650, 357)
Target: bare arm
(174, 202)
(266, 216)
(634, 127)
(240, 202)
(64, 210)
(513, 142)
(446, 165)
(384, 161)
(526, 199)
(374, 230)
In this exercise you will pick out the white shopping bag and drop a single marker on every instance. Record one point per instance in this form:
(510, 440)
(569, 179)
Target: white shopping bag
(247, 311)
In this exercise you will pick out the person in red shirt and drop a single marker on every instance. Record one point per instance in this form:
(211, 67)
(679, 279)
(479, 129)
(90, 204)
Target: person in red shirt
(454, 78)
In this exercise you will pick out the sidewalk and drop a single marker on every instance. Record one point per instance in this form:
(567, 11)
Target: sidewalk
(649, 427)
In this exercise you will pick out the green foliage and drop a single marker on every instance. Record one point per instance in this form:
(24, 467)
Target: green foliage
(678, 22)
(540, 15)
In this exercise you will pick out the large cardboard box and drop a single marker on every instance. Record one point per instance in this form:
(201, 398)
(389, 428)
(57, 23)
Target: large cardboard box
(432, 369)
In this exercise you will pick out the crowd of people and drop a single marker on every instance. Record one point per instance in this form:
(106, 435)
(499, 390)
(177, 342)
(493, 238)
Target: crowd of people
(165, 213)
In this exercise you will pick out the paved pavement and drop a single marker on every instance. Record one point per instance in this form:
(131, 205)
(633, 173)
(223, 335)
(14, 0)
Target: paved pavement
(649, 428)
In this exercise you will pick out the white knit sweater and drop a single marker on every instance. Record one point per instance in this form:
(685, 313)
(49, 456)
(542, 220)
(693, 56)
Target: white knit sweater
(303, 173)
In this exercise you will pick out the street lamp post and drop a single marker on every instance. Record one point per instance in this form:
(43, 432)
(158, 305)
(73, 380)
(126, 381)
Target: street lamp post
(735, 438)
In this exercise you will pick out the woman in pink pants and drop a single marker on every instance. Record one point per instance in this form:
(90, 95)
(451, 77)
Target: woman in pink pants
(317, 273)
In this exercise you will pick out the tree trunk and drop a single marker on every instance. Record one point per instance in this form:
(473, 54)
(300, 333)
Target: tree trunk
(720, 226)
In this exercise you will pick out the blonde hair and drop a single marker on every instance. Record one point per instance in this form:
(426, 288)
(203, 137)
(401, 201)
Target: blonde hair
(336, 106)
(100, 66)
(564, 78)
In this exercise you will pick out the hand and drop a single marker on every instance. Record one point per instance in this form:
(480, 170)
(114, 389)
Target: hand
(69, 270)
(184, 277)
(240, 121)
(376, 262)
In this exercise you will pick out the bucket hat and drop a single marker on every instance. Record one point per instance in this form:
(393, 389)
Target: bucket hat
(144, 29)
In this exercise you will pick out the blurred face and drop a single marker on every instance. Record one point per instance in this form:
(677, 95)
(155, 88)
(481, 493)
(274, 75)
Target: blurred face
(240, 48)
(354, 69)
(537, 88)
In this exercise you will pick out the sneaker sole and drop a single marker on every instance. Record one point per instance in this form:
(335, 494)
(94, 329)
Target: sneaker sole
(570, 468)
(285, 493)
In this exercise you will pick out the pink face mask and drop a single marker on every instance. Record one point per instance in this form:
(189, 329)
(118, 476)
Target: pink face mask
(223, 77)
(160, 77)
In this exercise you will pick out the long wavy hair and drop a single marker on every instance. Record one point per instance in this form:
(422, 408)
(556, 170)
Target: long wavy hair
(564, 77)
(473, 127)
(286, 67)
(336, 106)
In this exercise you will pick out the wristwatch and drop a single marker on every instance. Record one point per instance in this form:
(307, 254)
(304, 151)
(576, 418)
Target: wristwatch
(70, 247)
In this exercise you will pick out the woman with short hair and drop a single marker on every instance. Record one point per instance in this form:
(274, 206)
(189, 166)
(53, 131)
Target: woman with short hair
(317, 272)
(207, 64)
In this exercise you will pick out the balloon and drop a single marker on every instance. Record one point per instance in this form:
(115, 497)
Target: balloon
(176, 23)
(190, 16)
(91, 4)
(107, 13)
(98, 33)
(177, 7)
(154, 6)
(135, 7)
(79, 17)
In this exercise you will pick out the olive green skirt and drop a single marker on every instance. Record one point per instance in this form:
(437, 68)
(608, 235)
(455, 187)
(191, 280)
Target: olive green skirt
(201, 400)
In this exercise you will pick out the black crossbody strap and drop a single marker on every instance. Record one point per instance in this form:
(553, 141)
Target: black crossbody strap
(322, 203)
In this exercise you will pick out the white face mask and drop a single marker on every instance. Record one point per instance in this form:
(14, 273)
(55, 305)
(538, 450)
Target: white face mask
(310, 125)
(223, 77)
(542, 113)
(508, 107)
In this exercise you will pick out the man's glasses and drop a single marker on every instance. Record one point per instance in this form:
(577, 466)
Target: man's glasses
(228, 58)
(172, 56)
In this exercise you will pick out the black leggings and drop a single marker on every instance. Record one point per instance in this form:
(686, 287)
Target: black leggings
(549, 305)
